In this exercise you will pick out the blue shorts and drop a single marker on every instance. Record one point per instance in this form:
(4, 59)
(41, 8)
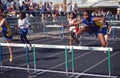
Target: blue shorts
(4, 30)
(99, 31)
(73, 35)
(8, 37)
(23, 31)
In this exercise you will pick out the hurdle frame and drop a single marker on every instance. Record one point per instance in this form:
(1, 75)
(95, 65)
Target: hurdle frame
(73, 64)
(114, 32)
(79, 48)
(18, 45)
(59, 47)
(61, 29)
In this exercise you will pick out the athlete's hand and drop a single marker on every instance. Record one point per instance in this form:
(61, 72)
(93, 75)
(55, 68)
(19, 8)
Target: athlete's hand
(63, 25)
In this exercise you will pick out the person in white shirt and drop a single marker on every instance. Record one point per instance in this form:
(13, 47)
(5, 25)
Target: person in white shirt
(23, 25)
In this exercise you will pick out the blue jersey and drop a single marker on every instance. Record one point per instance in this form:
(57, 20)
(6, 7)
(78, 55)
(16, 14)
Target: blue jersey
(104, 29)
(4, 30)
(6, 33)
(96, 29)
(85, 22)
(91, 21)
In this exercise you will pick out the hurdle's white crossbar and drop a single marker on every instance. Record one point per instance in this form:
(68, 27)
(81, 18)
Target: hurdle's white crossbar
(61, 29)
(58, 46)
(113, 21)
(52, 26)
(117, 27)
(14, 45)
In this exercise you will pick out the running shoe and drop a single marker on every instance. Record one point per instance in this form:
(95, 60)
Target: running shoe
(11, 58)
(30, 48)
(70, 51)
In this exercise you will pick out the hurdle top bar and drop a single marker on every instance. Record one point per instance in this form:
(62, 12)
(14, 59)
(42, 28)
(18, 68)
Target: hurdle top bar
(113, 21)
(58, 46)
(115, 27)
(54, 26)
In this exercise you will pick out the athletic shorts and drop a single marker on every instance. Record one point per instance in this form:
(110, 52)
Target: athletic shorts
(99, 31)
(73, 35)
(8, 37)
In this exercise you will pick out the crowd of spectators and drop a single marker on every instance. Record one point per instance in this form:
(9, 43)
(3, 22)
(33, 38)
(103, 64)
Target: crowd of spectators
(109, 15)
(12, 7)
(46, 9)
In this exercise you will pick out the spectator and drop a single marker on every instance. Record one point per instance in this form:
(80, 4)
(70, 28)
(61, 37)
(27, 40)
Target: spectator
(8, 4)
(61, 10)
(69, 7)
(53, 11)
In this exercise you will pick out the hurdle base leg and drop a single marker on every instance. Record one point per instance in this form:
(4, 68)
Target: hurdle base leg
(3, 69)
(28, 68)
(67, 75)
(34, 71)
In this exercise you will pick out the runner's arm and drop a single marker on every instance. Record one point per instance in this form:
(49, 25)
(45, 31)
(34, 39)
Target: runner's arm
(2, 22)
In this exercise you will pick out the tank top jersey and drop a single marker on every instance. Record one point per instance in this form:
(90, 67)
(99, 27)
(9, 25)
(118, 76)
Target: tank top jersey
(85, 22)
(98, 24)
(6, 29)
(73, 28)
(93, 23)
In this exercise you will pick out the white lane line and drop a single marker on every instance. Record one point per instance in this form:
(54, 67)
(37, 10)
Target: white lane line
(93, 66)
(64, 62)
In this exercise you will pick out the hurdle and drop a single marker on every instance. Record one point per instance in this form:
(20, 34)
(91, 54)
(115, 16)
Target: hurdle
(115, 25)
(15, 45)
(61, 29)
(109, 49)
(114, 32)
